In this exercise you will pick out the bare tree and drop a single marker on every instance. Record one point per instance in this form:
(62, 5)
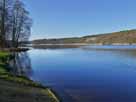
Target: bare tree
(2, 23)
(15, 24)
(21, 24)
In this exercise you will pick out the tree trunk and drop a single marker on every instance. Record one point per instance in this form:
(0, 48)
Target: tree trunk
(3, 16)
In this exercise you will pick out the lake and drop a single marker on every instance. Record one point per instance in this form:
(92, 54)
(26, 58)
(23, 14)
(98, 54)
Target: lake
(85, 74)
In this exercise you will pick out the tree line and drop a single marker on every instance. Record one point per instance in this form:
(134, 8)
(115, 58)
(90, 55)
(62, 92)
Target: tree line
(15, 23)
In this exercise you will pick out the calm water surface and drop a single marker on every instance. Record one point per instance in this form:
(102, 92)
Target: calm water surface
(87, 74)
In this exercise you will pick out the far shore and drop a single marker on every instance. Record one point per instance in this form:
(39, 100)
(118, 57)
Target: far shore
(101, 44)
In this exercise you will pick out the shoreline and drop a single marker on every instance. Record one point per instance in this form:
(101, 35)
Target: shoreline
(101, 44)
(19, 84)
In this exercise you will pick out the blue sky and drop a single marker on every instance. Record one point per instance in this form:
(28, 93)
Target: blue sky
(68, 18)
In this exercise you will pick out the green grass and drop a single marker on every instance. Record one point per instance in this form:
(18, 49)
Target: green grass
(19, 79)
(3, 61)
(4, 54)
(4, 57)
(3, 70)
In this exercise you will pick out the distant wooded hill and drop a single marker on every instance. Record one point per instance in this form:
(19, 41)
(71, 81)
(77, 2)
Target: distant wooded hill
(122, 37)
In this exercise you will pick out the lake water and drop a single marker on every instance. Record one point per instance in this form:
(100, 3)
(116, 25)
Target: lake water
(88, 73)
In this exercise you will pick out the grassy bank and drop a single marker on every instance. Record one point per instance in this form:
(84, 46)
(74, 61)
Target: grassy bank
(19, 88)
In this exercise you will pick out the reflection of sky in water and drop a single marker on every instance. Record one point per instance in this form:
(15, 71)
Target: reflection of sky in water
(85, 75)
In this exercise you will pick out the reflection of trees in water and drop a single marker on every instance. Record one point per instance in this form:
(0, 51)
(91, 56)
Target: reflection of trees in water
(21, 64)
